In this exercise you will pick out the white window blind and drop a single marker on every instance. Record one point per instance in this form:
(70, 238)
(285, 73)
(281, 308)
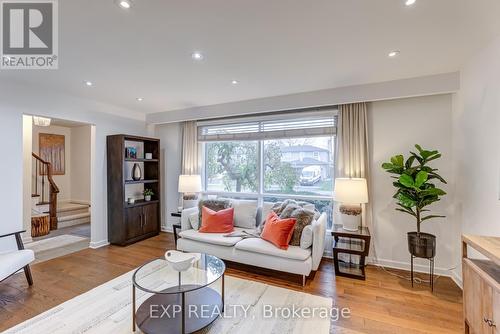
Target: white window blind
(305, 124)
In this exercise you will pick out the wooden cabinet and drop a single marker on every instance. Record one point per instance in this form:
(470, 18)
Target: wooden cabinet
(479, 297)
(150, 218)
(129, 223)
(133, 222)
(481, 286)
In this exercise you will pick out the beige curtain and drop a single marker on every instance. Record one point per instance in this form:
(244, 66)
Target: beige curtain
(190, 149)
(352, 147)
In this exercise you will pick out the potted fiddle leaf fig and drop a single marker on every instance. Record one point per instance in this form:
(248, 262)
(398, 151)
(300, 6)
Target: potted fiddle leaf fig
(416, 189)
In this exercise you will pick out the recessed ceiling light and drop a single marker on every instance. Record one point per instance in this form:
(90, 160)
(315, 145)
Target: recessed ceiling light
(197, 56)
(125, 4)
(140, 99)
(88, 83)
(394, 53)
(234, 82)
(410, 2)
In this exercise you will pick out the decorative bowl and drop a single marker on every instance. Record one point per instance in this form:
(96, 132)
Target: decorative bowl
(181, 261)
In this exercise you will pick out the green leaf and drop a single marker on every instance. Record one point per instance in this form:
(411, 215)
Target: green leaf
(420, 179)
(387, 165)
(418, 147)
(405, 209)
(397, 160)
(433, 175)
(409, 162)
(432, 217)
(433, 192)
(434, 157)
(406, 201)
(407, 181)
(401, 210)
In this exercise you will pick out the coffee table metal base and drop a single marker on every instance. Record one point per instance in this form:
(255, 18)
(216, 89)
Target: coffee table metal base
(205, 305)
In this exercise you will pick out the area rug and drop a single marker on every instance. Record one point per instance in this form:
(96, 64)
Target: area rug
(60, 245)
(108, 309)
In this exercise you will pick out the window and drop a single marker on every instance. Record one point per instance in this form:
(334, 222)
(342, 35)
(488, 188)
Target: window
(271, 159)
(309, 176)
(232, 167)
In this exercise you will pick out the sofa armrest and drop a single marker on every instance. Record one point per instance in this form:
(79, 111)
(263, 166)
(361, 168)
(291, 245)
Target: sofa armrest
(185, 224)
(319, 236)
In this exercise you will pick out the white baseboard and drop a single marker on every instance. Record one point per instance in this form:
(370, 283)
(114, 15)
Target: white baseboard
(166, 229)
(98, 244)
(457, 279)
(407, 266)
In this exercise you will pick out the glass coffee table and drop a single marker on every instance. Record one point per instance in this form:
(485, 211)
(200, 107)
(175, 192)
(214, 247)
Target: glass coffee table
(177, 302)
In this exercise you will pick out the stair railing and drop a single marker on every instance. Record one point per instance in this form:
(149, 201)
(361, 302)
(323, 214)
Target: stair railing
(43, 171)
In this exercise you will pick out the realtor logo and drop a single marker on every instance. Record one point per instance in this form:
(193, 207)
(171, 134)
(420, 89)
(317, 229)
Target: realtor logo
(29, 34)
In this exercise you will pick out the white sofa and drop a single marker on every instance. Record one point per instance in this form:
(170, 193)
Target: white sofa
(254, 251)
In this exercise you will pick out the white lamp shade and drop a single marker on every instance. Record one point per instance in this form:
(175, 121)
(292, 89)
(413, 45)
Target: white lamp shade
(189, 183)
(350, 190)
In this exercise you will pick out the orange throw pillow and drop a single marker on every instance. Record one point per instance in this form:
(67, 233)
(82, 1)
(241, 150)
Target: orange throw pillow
(216, 221)
(278, 231)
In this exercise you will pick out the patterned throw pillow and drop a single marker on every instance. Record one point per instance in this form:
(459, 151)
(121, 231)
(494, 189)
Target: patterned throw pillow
(212, 204)
(304, 218)
(303, 212)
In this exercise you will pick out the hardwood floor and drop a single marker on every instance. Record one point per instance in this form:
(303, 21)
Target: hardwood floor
(381, 304)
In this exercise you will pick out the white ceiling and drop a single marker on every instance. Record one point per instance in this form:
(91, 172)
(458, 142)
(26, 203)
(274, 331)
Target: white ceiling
(271, 47)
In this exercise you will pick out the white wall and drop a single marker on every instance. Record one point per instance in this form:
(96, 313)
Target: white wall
(476, 139)
(171, 151)
(63, 181)
(421, 86)
(80, 163)
(16, 100)
(395, 127)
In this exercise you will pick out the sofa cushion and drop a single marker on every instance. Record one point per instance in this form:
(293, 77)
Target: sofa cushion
(266, 208)
(278, 231)
(217, 221)
(211, 238)
(194, 220)
(306, 239)
(261, 246)
(213, 204)
(245, 212)
(12, 261)
(304, 218)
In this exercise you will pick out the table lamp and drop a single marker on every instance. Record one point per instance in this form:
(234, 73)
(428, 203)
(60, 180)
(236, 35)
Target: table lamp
(351, 193)
(189, 186)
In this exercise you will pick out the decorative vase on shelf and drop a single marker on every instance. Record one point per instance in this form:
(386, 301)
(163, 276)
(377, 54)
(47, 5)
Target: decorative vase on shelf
(147, 198)
(136, 172)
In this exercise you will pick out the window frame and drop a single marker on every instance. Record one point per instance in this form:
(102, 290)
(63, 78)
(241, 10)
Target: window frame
(261, 194)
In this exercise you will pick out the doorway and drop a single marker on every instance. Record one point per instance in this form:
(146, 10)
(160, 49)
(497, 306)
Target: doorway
(57, 185)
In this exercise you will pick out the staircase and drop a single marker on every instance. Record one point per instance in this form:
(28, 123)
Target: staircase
(44, 191)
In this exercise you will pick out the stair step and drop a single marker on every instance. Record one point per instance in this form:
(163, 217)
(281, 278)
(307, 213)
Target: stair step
(72, 217)
(43, 203)
(63, 207)
(77, 219)
(35, 195)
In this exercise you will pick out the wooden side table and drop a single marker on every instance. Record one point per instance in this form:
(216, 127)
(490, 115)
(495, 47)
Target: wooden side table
(354, 243)
(176, 227)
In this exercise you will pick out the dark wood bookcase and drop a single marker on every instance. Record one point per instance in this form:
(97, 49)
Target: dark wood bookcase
(129, 223)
